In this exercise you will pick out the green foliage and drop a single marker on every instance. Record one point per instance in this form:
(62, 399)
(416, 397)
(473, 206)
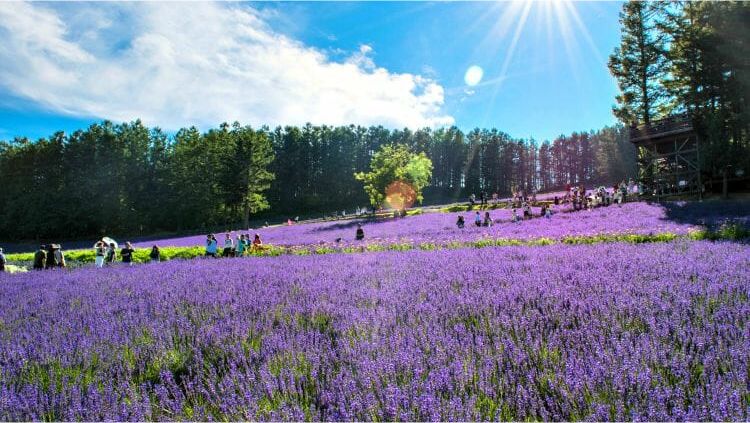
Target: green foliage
(141, 255)
(396, 163)
(689, 57)
(731, 231)
(127, 179)
(640, 64)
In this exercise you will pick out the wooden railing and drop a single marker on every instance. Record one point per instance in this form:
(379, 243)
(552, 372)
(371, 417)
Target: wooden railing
(669, 125)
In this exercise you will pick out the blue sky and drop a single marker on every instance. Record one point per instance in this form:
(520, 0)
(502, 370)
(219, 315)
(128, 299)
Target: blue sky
(543, 65)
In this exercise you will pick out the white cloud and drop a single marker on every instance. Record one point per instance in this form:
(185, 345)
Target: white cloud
(181, 64)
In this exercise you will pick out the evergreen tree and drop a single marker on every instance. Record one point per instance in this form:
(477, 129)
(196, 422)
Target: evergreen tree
(640, 64)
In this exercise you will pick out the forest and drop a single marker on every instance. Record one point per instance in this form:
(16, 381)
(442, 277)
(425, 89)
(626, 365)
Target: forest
(130, 179)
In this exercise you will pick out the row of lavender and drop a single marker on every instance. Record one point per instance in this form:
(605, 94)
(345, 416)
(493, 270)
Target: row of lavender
(631, 218)
(599, 332)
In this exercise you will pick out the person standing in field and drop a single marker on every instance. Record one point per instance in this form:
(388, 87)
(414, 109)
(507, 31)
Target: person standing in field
(59, 256)
(40, 258)
(257, 243)
(2, 261)
(127, 254)
(228, 246)
(155, 254)
(111, 254)
(240, 247)
(211, 246)
(99, 251)
(51, 258)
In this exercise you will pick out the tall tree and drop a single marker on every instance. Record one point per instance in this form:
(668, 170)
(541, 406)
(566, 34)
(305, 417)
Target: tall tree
(640, 64)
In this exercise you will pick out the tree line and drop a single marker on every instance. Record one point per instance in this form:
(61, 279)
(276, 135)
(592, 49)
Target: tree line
(130, 179)
(689, 57)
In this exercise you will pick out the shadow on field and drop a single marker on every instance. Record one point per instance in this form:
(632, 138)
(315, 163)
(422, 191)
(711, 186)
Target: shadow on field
(710, 213)
(351, 224)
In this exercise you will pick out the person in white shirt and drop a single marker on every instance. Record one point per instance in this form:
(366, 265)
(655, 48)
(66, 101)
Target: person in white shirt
(228, 246)
(100, 249)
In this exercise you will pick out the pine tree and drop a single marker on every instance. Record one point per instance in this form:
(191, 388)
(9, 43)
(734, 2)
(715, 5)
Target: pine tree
(640, 64)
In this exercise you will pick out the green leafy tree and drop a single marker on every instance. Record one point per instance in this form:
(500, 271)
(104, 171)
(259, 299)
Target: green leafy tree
(396, 164)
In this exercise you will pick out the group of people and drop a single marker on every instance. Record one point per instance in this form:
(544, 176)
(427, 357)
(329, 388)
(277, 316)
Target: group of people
(580, 199)
(232, 248)
(49, 256)
(484, 199)
(478, 220)
(106, 253)
(576, 196)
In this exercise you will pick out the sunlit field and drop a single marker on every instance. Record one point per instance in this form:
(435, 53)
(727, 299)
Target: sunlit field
(639, 218)
(608, 331)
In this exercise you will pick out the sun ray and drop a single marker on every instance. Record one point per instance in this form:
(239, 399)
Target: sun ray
(571, 9)
(492, 42)
(553, 22)
(508, 56)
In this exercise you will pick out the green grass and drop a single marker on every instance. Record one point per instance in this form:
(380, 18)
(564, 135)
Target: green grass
(141, 255)
(15, 269)
(727, 231)
(76, 258)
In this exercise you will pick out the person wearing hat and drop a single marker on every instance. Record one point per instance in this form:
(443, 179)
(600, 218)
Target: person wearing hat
(40, 258)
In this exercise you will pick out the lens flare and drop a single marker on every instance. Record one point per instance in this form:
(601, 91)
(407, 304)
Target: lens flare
(400, 195)
(473, 75)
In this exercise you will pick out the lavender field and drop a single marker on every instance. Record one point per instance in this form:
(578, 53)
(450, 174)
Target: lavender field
(599, 332)
(631, 218)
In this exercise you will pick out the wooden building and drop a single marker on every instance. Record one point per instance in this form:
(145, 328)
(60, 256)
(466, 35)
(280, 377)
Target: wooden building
(668, 157)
